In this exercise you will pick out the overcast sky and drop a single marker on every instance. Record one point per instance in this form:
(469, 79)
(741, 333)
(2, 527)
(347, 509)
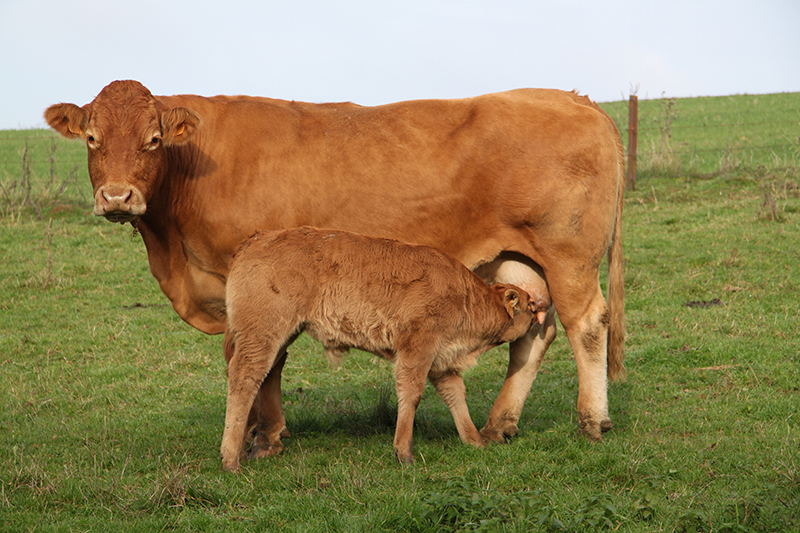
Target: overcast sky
(373, 52)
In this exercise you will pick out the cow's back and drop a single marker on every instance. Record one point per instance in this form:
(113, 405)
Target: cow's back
(472, 177)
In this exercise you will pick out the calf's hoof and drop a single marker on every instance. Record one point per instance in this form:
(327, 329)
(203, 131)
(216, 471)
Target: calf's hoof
(590, 429)
(230, 466)
(405, 459)
(478, 443)
(404, 454)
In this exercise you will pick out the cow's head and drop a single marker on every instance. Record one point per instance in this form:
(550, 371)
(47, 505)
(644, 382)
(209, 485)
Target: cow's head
(127, 131)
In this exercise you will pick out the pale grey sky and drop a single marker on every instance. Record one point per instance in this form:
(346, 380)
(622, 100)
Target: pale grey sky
(374, 52)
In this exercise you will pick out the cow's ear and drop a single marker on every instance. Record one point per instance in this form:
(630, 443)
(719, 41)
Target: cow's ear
(512, 302)
(178, 125)
(68, 119)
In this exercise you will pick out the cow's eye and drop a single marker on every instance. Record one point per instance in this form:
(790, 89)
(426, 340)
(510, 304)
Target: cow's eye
(153, 144)
(91, 142)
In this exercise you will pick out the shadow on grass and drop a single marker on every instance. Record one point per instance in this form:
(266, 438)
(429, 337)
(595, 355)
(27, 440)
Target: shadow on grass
(351, 411)
(361, 413)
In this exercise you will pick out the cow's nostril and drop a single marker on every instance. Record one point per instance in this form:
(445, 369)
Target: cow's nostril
(118, 199)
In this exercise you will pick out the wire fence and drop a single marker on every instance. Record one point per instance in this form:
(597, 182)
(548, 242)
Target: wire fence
(697, 137)
(711, 136)
(40, 170)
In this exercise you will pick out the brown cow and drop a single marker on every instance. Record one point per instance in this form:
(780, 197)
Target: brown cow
(523, 185)
(412, 305)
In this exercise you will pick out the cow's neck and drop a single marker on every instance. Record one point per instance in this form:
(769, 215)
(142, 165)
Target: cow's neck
(187, 269)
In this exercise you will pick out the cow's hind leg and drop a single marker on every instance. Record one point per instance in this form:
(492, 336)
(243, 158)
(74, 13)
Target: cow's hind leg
(525, 357)
(588, 337)
(526, 353)
(451, 389)
(270, 421)
(585, 317)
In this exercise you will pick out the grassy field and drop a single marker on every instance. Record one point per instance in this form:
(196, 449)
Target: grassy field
(705, 137)
(113, 408)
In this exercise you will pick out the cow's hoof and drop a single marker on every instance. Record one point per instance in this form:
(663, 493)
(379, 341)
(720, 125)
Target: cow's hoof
(606, 425)
(499, 432)
(261, 451)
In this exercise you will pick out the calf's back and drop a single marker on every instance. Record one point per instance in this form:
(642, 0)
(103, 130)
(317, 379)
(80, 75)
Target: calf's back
(380, 295)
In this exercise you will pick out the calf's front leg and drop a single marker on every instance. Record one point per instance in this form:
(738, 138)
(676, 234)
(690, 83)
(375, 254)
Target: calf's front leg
(451, 389)
(246, 372)
(270, 421)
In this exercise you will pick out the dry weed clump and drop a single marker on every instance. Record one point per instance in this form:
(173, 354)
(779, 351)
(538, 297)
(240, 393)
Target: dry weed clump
(27, 189)
(663, 157)
(776, 194)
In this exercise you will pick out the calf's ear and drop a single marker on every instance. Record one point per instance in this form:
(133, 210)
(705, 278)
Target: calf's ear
(68, 119)
(178, 125)
(512, 302)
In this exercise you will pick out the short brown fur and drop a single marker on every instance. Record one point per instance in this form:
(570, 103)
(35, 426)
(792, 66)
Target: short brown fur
(412, 305)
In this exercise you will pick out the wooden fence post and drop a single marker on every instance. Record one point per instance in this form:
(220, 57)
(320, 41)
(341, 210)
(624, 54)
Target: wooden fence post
(633, 126)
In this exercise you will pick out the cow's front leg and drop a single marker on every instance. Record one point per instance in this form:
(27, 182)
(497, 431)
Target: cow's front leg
(525, 358)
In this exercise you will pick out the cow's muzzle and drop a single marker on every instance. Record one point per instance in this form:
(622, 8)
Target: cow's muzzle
(119, 203)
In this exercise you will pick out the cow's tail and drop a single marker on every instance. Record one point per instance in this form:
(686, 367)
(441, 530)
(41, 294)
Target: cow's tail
(616, 289)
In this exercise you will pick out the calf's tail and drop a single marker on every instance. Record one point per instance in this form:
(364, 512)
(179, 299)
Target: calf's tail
(228, 344)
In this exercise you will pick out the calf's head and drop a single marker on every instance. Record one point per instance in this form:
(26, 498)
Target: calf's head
(520, 308)
(127, 131)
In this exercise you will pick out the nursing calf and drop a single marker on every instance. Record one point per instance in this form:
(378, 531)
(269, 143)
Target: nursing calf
(412, 305)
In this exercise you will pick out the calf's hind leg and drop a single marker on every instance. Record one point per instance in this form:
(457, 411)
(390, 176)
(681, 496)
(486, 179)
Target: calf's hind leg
(410, 381)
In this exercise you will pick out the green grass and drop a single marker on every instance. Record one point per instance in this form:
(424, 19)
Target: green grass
(41, 171)
(113, 408)
(713, 135)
